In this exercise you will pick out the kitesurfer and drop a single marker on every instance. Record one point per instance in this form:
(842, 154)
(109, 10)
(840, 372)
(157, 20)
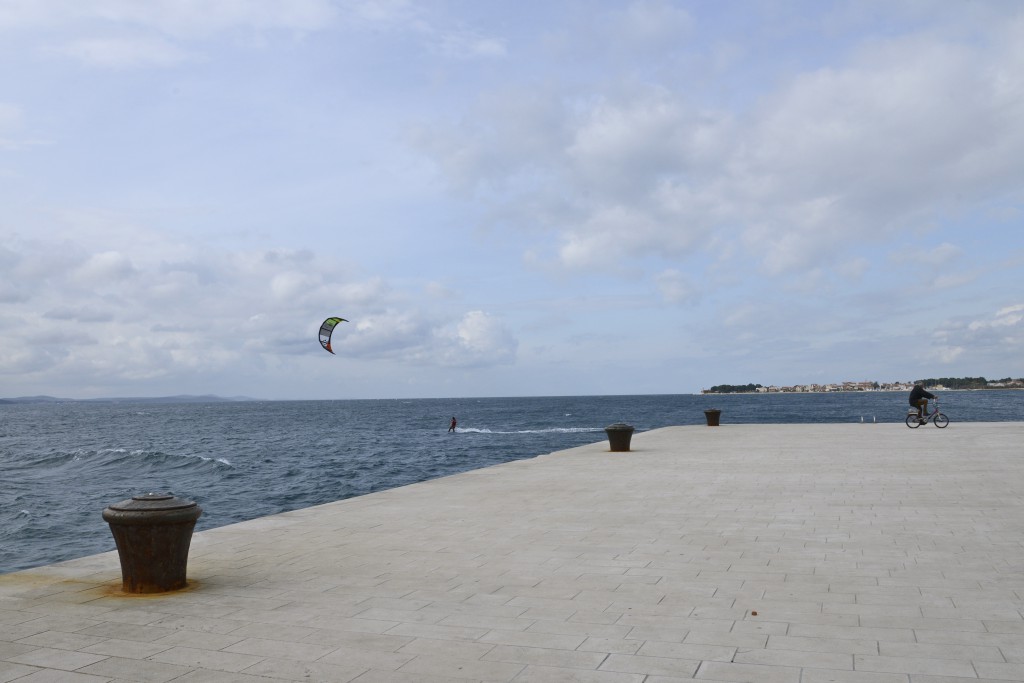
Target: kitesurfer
(451, 427)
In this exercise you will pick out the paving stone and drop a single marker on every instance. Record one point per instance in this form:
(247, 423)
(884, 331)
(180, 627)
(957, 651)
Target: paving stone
(523, 639)
(914, 665)
(905, 635)
(9, 650)
(49, 658)
(665, 666)
(954, 679)
(462, 668)
(798, 658)
(546, 657)
(9, 671)
(833, 676)
(197, 639)
(309, 672)
(574, 628)
(136, 669)
(446, 648)
(206, 659)
(55, 676)
(130, 649)
(378, 660)
(747, 673)
(211, 676)
(1010, 671)
(941, 651)
(844, 645)
(355, 639)
(126, 631)
(439, 632)
(280, 649)
(548, 674)
(654, 648)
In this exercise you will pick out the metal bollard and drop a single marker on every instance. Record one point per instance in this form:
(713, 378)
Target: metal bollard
(712, 415)
(153, 533)
(619, 435)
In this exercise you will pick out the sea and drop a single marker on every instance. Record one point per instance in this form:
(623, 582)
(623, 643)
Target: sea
(62, 463)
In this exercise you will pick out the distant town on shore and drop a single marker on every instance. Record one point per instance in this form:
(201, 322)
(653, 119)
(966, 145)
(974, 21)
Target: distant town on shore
(939, 384)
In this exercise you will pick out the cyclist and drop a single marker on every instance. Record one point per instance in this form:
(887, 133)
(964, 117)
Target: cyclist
(919, 399)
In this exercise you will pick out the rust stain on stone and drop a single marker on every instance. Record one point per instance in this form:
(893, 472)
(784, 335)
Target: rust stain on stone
(116, 590)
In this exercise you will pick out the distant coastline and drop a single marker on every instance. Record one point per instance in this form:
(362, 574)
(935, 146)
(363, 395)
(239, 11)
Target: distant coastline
(209, 398)
(939, 384)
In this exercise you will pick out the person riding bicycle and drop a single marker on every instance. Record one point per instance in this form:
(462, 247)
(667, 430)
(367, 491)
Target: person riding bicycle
(919, 399)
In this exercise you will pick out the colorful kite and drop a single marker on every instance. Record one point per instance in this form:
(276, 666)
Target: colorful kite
(327, 329)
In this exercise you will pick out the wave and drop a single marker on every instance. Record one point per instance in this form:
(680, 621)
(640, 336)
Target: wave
(109, 457)
(550, 430)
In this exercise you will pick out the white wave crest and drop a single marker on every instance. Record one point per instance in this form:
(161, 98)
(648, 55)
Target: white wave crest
(223, 461)
(550, 430)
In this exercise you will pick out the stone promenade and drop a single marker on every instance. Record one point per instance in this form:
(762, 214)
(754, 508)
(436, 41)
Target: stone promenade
(856, 553)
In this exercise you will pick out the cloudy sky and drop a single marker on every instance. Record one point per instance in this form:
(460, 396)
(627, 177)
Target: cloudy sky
(507, 198)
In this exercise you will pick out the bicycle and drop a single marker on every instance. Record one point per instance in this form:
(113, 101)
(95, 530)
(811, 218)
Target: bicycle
(936, 418)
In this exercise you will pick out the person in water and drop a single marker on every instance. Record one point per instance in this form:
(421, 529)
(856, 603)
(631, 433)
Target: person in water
(451, 427)
(919, 398)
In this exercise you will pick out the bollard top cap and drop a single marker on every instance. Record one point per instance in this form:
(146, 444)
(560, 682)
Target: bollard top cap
(619, 425)
(153, 502)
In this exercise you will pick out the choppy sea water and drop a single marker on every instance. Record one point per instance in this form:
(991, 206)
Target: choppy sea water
(61, 464)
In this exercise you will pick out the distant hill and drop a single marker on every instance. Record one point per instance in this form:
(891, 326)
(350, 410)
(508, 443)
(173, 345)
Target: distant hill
(208, 398)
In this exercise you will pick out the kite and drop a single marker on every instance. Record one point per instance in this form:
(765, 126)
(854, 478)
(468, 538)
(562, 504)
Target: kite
(327, 329)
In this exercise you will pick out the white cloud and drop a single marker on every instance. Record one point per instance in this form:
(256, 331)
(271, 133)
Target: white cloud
(382, 12)
(469, 44)
(1008, 317)
(10, 115)
(11, 121)
(651, 24)
(948, 354)
(626, 144)
(939, 256)
(854, 269)
(123, 34)
(677, 288)
(836, 156)
(121, 53)
(506, 138)
(104, 268)
(1011, 315)
(209, 311)
(182, 18)
(478, 339)
(993, 341)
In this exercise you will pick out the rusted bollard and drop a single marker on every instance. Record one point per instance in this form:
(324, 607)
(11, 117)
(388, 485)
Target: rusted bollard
(153, 533)
(619, 435)
(712, 415)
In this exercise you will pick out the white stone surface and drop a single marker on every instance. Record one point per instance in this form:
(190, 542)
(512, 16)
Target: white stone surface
(870, 553)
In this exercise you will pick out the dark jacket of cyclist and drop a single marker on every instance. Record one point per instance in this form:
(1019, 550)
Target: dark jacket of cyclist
(919, 398)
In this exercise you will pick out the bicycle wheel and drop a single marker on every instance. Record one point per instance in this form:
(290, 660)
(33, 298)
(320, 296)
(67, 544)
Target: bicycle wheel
(912, 421)
(941, 421)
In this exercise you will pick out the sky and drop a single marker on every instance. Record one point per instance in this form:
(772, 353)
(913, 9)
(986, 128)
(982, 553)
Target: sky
(522, 198)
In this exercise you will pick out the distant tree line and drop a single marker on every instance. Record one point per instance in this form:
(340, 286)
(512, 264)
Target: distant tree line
(962, 382)
(734, 388)
(946, 382)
